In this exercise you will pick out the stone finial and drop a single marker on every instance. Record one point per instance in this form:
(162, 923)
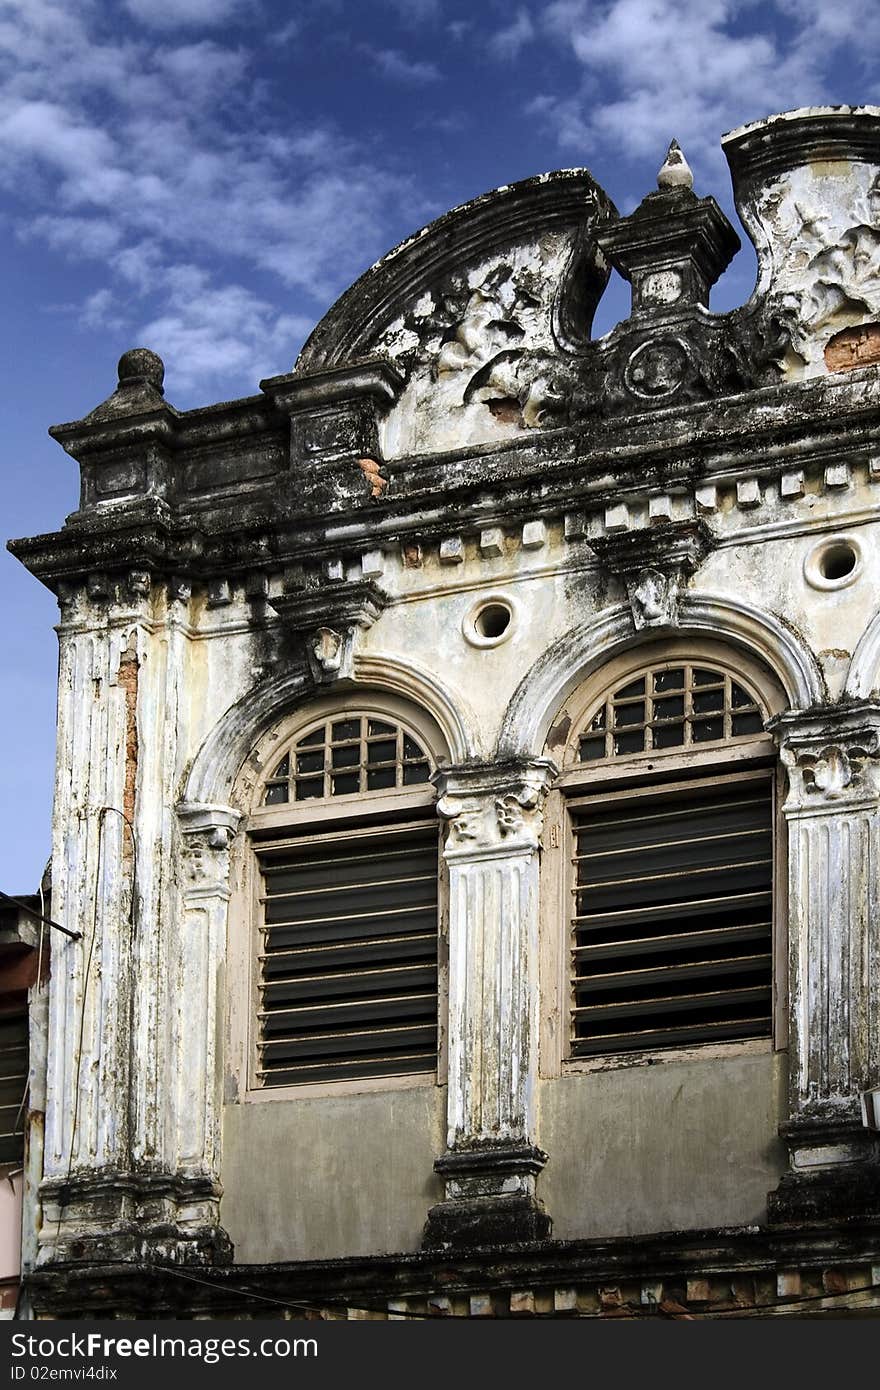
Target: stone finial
(139, 367)
(675, 172)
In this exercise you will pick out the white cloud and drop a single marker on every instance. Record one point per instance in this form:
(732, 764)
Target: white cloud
(140, 264)
(507, 43)
(203, 64)
(185, 14)
(207, 334)
(152, 156)
(654, 69)
(89, 237)
(46, 131)
(399, 68)
(101, 311)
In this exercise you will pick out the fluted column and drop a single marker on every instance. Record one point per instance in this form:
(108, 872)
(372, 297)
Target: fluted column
(833, 816)
(198, 955)
(131, 1157)
(492, 1159)
(88, 1079)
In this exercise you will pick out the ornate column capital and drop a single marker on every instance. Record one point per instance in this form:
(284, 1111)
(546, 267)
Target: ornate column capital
(832, 756)
(493, 808)
(207, 832)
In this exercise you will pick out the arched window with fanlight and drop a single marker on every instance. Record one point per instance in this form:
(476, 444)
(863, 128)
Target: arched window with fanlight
(669, 818)
(344, 863)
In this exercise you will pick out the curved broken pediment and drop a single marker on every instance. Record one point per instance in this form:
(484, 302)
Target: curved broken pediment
(475, 311)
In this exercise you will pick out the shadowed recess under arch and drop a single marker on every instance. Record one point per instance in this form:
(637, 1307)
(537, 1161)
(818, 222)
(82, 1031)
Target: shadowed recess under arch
(575, 656)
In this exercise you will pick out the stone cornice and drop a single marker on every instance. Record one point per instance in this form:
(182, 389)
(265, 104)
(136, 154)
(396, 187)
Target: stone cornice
(783, 142)
(177, 429)
(739, 1253)
(216, 824)
(377, 379)
(339, 603)
(758, 435)
(682, 544)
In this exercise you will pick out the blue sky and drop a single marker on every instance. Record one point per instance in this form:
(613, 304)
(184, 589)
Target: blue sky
(204, 177)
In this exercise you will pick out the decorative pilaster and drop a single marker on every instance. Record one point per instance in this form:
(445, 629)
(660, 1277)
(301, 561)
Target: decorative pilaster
(131, 1161)
(194, 1076)
(833, 815)
(492, 1160)
(88, 1081)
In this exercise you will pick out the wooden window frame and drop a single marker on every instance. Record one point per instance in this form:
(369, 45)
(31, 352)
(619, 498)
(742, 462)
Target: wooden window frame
(642, 775)
(14, 1009)
(359, 814)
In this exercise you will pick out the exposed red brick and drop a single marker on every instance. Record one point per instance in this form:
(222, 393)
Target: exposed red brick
(854, 347)
(371, 471)
(833, 1281)
(128, 680)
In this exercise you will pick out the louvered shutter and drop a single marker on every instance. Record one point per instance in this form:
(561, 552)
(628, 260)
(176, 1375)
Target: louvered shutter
(673, 921)
(13, 1080)
(348, 966)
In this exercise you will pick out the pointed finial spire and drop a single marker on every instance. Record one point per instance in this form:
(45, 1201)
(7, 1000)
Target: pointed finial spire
(675, 172)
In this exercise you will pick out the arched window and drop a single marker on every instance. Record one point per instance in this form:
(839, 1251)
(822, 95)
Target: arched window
(670, 706)
(668, 814)
(347, 755)
(344, 861)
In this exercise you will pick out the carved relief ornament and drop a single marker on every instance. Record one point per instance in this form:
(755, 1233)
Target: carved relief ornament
(654, 565)
(831, 759)
(493, 810)
(653, 597)
(327, 618)
(207, 834)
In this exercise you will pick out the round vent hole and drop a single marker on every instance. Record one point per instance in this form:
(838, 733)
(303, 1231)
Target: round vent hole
(492, 621)
(837, 561)
(834, 563)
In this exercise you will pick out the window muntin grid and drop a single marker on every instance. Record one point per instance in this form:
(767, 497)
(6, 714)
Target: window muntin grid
(347, 755)
(670, 706)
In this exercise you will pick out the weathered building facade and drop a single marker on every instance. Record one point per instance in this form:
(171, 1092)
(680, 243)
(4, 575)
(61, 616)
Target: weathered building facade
(468, 782)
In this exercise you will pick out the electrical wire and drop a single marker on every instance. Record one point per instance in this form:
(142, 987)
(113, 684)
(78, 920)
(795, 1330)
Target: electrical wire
(430, 1317)
(761, 1310)
(74, 935)
(284, 1303)
(42, 925)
